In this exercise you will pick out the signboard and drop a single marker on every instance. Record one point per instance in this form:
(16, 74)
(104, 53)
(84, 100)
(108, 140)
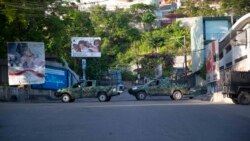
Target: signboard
(84, 64)
(26, 63)
(212, 62)
(55, 78)
(86, 47)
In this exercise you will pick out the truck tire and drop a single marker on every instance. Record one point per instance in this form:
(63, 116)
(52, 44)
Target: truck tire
(141, 96)
(177, 95)
(66, 98)
(102, 97)
(244, 98)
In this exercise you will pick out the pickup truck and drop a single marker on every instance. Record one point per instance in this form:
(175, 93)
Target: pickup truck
(237, 86)
(160, 87)
(88, 89)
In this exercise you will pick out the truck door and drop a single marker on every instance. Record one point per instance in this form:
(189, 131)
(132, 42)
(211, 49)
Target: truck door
(76, 91)
(153, 87)
(165, 87)
(88, 89)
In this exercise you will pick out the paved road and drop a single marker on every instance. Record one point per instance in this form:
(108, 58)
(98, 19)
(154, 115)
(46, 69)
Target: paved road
(124, 119)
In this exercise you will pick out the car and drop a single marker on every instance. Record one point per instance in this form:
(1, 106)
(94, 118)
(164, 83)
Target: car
(88, 89)
(160, 87)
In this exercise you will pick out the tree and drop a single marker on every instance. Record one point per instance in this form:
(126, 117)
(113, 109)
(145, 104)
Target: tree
(21, 20)
(158, 42)
(142, 14)
(194, 8)
(236, 7)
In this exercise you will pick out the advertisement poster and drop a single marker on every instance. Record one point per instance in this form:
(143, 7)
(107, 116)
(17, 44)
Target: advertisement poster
(86, 47)
(26, 63)
(212, 62)
(55, 78)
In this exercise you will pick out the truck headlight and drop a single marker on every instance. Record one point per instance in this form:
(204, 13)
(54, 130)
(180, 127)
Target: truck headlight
(134, 88)
(114, 89)
(192, 90)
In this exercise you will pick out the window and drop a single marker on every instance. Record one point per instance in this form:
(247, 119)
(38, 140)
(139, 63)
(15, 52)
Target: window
(222, 67)
(89, 84)
(229, 64)
(221, 55)
(228, 48)
(154, 83)
(77, 85)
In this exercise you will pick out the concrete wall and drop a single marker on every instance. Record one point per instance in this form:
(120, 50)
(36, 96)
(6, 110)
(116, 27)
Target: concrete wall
(23, 94)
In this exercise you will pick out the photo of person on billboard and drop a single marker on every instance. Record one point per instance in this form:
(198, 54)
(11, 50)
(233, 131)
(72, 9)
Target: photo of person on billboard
(26, 63)
(86, 47)
(96, 46)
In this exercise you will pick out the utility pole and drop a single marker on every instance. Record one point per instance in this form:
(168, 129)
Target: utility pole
(185, 52)
(137, 63)
(185, 56)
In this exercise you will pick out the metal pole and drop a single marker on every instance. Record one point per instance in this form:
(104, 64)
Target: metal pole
(137, 63)
(185, 56)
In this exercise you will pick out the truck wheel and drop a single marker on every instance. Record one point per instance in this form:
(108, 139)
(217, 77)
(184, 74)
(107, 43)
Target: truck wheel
(177, 95)
(108, 98)
(244, 98)
(66, 98)
(102, 97)
(141, 96)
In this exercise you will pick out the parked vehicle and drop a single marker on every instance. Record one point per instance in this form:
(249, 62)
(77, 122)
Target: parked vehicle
(160, 87)
(89, 89)
(237, 86)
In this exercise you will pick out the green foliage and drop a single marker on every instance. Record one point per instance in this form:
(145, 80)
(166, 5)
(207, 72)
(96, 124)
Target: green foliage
(128, 76)
(166, 41)
(236, 7)
(199, 8)
(122, 44)
(138, 12)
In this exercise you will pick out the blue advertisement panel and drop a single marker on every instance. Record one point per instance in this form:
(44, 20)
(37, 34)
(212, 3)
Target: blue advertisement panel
(55, 78)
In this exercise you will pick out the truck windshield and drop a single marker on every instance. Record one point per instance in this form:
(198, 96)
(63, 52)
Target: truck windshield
(78, 84)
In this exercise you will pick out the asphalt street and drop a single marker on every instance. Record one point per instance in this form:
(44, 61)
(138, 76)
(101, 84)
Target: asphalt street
(124, 119)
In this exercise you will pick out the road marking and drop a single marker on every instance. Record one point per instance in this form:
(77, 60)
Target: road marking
(144, 105)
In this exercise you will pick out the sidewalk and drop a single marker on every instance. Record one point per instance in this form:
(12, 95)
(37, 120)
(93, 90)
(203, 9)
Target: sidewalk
(215, 98)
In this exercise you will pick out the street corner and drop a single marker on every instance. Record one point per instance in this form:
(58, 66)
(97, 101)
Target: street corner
(220, 98)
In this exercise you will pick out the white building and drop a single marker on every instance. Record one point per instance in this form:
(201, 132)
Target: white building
(234, 47)
(113, 4)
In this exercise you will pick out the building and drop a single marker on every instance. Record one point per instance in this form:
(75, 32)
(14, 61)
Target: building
(234, 49)
(205, 30)
(179, 66)
(112, 4)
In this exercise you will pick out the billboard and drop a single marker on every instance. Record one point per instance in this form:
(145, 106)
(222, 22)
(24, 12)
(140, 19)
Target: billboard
(55, 78)
(86, 47)
(212, 62)
(26, 63)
